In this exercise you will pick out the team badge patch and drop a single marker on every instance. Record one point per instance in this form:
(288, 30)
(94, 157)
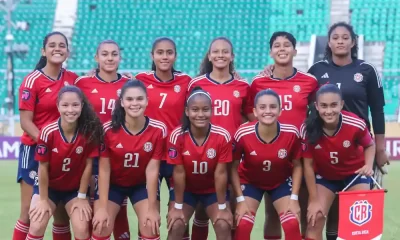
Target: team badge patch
(172, 153)
(147, 147)
(282, 153)
(177, 88)
(296, 88)
(211, 153)
(66, 83)
(25, 95)
(346, 143)
(360, 212)
(41, 149)
(79, 150)
(119, 92)
(236, 93)
(358, 77)
(32, 174)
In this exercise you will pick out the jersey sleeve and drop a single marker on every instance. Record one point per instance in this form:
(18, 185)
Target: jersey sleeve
(27, 94)
(226, 152)
(104, 147)
(250, 97)
(364, 138)
(237, 149)
(159, 148)
(174, 155)
(94, 152)
(297, 151)
(306, 149)
(42, 153)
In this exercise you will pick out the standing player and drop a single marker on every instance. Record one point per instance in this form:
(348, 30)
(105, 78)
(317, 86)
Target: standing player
(200, 152)
(295, 90)
(102, 90)
(65, 150)
(37, 98)
(129, 164)
(283, 167)
(340, 147)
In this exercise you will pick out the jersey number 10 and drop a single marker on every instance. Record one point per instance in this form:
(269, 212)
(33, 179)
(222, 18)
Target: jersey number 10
(200, 167)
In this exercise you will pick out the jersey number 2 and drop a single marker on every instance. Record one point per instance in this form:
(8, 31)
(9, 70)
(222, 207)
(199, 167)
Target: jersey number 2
(129, 158)
(66, 162)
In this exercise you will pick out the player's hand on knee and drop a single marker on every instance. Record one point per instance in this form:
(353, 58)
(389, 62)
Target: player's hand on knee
(83, 206)
(241, 210)
(294, 208)
(153, 220)
(314, 208)
(37, 213)
(224, 215)
(100, 220)
(173, 216)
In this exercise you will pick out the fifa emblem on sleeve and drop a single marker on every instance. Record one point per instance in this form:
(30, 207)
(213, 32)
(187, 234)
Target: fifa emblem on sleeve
(360, 212)
(236, 93)
(25, 95)
(296, 88)
(177, 88)
(282, 153)
(358, 77)
(41, 149)
(148, 147)
(211, 153)
(79, 150)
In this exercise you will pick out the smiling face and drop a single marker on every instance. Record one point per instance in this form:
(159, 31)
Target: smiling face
(134, 101)
(164, 55)
(108, 57)
(267, 109)
(70, 107)
(329, 106)
(198, 111)
(341, 42)
(56, 49)
(282, 51)
(220, 54)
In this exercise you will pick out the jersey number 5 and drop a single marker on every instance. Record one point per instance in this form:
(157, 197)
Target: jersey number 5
(129, 158)
(200, 167)
(334, 158)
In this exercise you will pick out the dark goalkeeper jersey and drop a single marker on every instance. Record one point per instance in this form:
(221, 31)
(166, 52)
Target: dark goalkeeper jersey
(361, 88)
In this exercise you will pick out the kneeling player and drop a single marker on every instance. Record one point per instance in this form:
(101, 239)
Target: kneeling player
(268, 150)
(340, 147)
(65, 150)
(129, 165)
(200, 152)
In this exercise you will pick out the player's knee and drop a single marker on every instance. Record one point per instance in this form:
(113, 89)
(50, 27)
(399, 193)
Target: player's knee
(178, 227)
(146, 231)
(80, 228)
(222, 227)
(320, 221)
(38, 228)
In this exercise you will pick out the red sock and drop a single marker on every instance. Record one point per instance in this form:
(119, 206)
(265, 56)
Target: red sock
(20, 231)
(61, 232)
(186, 236)
(121, 225)
(199, 229)
(141, 237)
(32, 237)
(243, 230)
(94, 237)
(266, 237)
(290, 226)
(81, 238)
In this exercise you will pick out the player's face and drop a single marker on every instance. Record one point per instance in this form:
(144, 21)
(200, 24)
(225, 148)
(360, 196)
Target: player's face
(56, 50)
(164, 56)
(267, 109)
(134, 101)
(282, 51)
(70, 107)
(220, 54)
(108, 57)
(199, 111)
(341, 42)
(329, 106)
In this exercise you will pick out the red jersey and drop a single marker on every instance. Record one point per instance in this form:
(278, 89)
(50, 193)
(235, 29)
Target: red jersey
(166, 99)
(229, 100)
(129, 154)
(200, 162)
(266, 165)
(67, 160)
(295, 93)
(38, 94)
(339, 156)
(101, 94)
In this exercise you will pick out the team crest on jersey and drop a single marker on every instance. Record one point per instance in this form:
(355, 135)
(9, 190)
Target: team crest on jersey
(360, 212)
(236, 93)
(346, 143)
(66, 83)
(211, 153)
(282, 153)
(147, 147)
(25, 95)
(358, 77)
(79, 150)
(32, 174)
(41, 149)
(118, 92)
(296, 88)
(177, 88)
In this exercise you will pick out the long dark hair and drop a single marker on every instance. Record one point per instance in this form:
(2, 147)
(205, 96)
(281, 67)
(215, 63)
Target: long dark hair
(157, 41)
(353, 35)
(43, 59)
(118, 115)
(207, 67)
(89, 124)
(314, 122)
(185, 119)
(108, 41)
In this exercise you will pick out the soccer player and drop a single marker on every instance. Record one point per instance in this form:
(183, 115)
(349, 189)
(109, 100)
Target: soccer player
(64, 150)
(229, 93)
(129, 164)
(200, 152)
(340, 147)
(267, 159)
(102, 89)
(37, 105)
(295, 89)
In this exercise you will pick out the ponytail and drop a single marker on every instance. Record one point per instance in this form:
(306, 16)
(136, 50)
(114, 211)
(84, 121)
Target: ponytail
(314, 126)
(43, 59)
(118, 115)
(42, 63)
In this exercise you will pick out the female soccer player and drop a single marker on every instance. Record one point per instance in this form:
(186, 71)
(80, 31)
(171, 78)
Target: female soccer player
(229, 93)
(200, 152)
(64, 150)
(102, 89)
(343, 139)
(129, 164)
(282, 168)
(37, 98)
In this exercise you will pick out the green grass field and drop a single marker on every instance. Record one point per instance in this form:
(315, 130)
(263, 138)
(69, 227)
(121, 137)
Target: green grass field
(9, 209)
